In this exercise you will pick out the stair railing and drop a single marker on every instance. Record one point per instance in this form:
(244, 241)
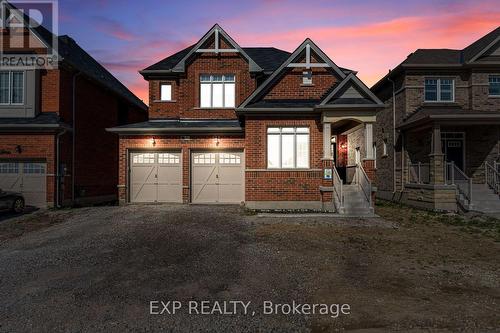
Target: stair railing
(338, 195)
(364, 183)
(493, 177)
(455, 176)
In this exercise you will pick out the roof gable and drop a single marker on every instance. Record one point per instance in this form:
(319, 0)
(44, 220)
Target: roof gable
(482, 45)
(312, 56)
(218, 34)
(351, 91)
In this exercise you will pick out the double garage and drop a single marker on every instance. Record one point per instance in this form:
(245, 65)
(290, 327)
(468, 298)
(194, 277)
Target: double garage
(212, 176)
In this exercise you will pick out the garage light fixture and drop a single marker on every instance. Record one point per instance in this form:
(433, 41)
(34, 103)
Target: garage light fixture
(153, 141)
(217, 141)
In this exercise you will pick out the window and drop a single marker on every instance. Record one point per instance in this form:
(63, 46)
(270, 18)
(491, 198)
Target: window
(494, 87)
(229, 159)
(439, 90)
(208, 158)
(288, 148)
(11, 87)
(34, 168)
(307, 78)
(217, 91)
(144, 159)
(166, 92)
(9, 168)
(167, 158)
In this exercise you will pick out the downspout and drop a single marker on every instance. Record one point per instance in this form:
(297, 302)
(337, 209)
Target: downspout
(393, 134)
(73, 153)
(58, 171)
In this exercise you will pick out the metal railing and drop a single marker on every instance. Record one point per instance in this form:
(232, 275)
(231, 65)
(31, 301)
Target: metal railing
(338, 195)
(493, 176)
(419, 173)
(364, 183)
(455, 176)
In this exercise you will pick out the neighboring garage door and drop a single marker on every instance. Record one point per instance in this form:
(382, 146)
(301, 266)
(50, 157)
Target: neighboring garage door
(156, 177)
(217, 177)
(28, 178)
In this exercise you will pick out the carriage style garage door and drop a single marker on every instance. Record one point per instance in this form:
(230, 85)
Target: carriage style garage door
(156, 177)
(28, 178)
(217, 177)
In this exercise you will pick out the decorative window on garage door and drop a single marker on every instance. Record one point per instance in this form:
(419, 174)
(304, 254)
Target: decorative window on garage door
(225, 158)
(146, 158)
(208, 158)
(34, 168)
(9, 167)
(166, 158)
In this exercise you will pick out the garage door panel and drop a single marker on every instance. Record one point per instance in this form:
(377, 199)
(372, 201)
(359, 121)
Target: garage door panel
(220, 182)
(156, 177)
(27, 178)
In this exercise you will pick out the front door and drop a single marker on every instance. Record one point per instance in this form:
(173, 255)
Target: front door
(454, 148)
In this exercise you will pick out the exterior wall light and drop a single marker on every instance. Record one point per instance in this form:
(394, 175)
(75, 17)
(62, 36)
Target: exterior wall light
(153, 141)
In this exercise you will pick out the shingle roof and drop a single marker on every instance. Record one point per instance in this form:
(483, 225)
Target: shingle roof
(434, 56)
(82, 61)
(47, 120)
(470, 51)
(269, 58)
(181, 125)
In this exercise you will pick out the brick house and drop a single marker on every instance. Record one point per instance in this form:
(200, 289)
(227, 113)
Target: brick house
(443, 118)
(53, 144)
(253, 125)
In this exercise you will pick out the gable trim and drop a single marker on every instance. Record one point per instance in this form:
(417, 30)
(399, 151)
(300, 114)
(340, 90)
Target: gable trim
(218, 31)
(483, 51)
(352, 78)
(302, 46)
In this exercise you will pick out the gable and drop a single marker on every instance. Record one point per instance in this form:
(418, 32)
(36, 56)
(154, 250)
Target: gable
(491, 55)
(351, 91)
(216, 41)
(287, 88)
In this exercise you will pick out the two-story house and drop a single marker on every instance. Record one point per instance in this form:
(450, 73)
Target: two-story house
(438, 137)
(53, 144)
(253, 125)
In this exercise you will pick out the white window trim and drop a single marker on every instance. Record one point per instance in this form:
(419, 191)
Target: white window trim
(438, 100)
(280, 134)
(489, 83)
(171, 92)
(384, 149)
(11, 90)
(211, 82)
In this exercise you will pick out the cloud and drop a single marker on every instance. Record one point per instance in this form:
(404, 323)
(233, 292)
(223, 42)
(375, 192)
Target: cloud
(113, 28)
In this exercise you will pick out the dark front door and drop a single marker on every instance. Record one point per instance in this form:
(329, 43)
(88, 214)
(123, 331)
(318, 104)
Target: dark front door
(454, 151)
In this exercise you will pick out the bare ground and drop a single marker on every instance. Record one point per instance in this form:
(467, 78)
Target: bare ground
(96, 269)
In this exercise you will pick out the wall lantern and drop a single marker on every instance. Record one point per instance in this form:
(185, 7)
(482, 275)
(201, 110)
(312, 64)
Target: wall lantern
(343, 146)
(153, 141)
(217, 141)
(19, 149)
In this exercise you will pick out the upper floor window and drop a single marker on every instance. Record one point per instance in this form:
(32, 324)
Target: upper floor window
(439, 90)
(165, 92)
(307, 78)
(217, 91)
(494, 87)
(11, 87)
(288, 148)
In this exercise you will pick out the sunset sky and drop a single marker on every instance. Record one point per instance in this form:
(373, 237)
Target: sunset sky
(368, 36)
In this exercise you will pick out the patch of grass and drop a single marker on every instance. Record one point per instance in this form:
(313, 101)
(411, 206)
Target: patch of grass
(407, 216)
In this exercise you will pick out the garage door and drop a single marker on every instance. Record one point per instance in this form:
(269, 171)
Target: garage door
(28, 178)
(217, 177)
(156, 177)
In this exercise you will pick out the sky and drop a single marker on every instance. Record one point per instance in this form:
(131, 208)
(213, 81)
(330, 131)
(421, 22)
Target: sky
(370, 37)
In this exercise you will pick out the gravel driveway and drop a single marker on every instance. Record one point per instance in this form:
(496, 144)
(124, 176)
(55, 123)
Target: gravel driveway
(97, 269)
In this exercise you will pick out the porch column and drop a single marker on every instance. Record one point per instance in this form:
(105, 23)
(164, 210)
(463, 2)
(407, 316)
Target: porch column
(327, 141)
(369, 141)
(436, 157)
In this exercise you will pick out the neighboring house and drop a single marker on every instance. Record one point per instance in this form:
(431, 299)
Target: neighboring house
(446, 131)
(231, 124)
(53, 144)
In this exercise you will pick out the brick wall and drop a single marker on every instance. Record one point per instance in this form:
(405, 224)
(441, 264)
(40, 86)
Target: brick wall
(162, 143)
(281, 185)
(186, 89)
